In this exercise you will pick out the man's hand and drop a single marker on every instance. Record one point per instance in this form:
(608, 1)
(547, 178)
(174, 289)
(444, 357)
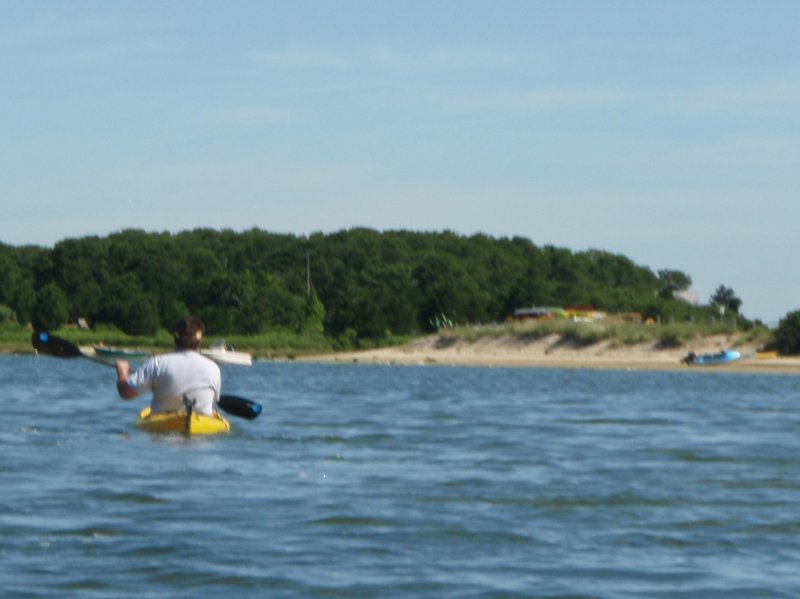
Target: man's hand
(123, 388)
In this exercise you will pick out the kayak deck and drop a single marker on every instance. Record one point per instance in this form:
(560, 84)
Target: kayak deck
(177, 422)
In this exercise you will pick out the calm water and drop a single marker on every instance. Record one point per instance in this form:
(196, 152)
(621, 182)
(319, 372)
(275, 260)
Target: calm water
(392, 481)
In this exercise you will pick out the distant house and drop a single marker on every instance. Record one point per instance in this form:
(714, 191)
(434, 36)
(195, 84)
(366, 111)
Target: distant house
(574, 313)
(688, 296)
(584, 313)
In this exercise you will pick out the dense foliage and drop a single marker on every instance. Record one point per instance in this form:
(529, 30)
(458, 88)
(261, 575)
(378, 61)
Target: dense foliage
(353, 284)
(787, 335)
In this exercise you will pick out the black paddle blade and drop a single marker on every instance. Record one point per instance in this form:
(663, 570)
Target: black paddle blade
(45, 343)
(239, 406)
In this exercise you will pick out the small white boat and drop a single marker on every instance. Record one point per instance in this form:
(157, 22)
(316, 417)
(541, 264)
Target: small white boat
(222, 354)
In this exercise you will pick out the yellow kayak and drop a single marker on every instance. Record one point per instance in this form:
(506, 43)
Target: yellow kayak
(176, 422)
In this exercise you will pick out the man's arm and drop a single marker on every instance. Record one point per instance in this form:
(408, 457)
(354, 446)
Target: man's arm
(123, 388)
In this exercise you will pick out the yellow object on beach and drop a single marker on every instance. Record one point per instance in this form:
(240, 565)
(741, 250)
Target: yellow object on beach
(181, 422)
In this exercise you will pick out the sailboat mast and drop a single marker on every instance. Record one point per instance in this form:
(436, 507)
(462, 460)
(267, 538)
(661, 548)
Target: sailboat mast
(308, 277)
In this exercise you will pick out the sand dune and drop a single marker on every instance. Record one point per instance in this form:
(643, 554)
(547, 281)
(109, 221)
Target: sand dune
(553, 351)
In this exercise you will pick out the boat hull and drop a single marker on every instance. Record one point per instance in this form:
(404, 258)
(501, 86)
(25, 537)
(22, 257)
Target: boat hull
(177, 422)
(724, 357)
(228, 357)
(112, 354)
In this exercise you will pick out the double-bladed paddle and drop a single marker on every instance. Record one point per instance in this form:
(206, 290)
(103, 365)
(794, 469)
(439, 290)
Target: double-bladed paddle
(45, 343)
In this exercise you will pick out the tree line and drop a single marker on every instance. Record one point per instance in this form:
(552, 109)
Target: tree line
(356, 284)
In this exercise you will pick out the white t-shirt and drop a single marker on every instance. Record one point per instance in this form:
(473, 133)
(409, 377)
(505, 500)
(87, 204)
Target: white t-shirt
(171, 376)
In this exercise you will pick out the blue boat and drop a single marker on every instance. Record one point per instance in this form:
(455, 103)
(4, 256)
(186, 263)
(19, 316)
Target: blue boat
(724, 357)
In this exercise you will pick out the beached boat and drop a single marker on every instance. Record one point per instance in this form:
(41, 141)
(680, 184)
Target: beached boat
(723, 357)
(223, 354)
(111, 354)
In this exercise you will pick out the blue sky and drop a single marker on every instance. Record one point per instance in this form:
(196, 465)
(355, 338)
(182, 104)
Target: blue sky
(665, 131)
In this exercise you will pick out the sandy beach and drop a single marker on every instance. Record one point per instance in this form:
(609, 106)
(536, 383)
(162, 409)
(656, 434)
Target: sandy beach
(553, 352)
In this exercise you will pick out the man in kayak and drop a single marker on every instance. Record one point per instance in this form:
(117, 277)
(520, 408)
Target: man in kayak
(178, 380)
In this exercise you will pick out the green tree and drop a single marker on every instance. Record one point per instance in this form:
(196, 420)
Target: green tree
(672, 281)
(218, 321)
(8, 274)
(80, 269)
(129, 306)
(22, 271)
(726, 297)
(314, 315)
(142, 316)
(366, 283)
(281, 309)
(51, 309)
(172, 310)
(787, 335)
(447, 290)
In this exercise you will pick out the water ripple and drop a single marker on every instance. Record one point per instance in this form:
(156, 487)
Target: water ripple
(381, 481)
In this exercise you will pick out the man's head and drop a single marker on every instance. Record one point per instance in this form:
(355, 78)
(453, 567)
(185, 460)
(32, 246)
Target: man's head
(188, 333)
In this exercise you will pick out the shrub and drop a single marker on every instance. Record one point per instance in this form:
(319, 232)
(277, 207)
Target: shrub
(7, 315)
(787, 336)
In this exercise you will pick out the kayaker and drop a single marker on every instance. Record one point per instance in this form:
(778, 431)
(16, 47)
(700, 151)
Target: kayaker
(177, 379)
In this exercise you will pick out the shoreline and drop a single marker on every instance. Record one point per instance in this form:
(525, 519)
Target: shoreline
(553, 352)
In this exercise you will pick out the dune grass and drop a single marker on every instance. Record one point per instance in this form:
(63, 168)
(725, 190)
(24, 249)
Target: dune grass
(617, 332)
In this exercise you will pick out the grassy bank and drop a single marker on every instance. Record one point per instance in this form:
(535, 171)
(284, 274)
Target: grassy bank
(276, 344)
(282, 344)
(15, 339)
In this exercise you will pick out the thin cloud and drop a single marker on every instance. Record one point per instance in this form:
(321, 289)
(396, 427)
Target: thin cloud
(548, 99)
(470, 57)
(448, 58)
(299, 57)
(111, 53)
(254, 116)
(779, 97)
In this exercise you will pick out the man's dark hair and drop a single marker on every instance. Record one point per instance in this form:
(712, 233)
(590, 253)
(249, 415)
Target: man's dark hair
(188, 333)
